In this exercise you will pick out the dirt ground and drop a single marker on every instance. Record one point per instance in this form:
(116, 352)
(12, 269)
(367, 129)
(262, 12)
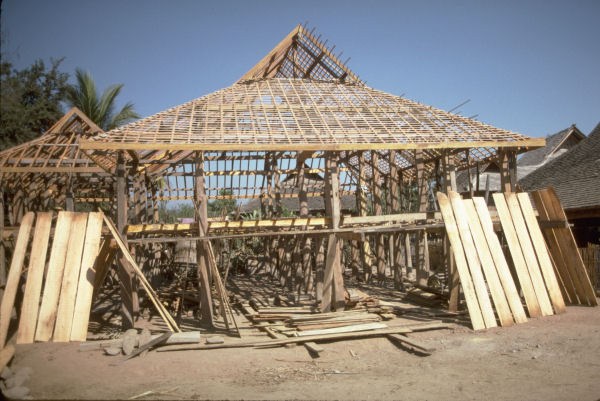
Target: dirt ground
(552, 358)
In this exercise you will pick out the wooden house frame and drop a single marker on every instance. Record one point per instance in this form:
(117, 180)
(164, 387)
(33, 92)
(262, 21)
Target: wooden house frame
(302, 111)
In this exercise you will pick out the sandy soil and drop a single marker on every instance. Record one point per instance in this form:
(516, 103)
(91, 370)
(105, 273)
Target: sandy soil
(553, 358)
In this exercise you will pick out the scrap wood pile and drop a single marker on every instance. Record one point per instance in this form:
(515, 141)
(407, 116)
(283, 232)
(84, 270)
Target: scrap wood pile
(545, 278)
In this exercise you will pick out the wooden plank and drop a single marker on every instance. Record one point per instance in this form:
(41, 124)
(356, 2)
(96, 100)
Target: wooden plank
(108, 251)
(558, 256)
(403, 340)
(152, 343)
(35, 276)
(6, 355)
(54, 276)
(87, 275)
(473, 261)
(147, 287)
(322, 337)
(508, 284)
(541, 251)
(488, 265)
(461, 262)
(14, 275)
(313, 347)
(569, 246)
(68, 290)
(510, 234)
(528, 252)
(343, 329)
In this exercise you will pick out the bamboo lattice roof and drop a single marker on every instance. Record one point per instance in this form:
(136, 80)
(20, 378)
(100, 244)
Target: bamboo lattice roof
(300, 114)
(55, 157)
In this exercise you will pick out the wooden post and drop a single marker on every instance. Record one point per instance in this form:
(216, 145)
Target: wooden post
(395, 239)
(378, 211)
(305, 264)
(504, 173)
(422, 266)
(201, 212)
(319, 268)
(450, 185)
(361, 203)
(333, 284)
(512, 170)
(125, 271)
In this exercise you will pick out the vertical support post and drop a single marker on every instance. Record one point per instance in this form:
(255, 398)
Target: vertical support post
(319, 268)
(333, 285)
(450, 185)
(378, 211)
(125, 271)
(361, 204)
(422, 257)
(304, 265)
(396, 239)
(201, 212)
(505, 185)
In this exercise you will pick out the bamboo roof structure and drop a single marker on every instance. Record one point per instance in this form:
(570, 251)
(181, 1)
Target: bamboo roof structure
(55, 159)
(299, 98)
(279, 114)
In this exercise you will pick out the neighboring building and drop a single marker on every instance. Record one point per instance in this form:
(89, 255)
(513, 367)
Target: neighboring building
(575, 176)
(556, 145)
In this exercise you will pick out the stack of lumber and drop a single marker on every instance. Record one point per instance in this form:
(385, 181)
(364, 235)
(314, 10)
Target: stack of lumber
(66, 264)
(574, 280)
(483, 269)
(62, 310)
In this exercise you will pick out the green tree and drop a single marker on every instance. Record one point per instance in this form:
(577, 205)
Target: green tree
(30, 100)
(221, 207)
(100, 110)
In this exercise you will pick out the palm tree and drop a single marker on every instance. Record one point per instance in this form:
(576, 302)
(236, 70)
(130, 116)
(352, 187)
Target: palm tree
(100, 110)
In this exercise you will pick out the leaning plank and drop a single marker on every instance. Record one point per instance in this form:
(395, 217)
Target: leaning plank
(568, 280)
(85, 287)
(323, 337)
(14, 275)
(147, 287)
(68, 290)
(508, 284)
(108, 251)
(473, 261)
(35, 275)
(528, 252)
(343, 329)
(517, 256)
(570, 246)
(461, 262)
(403, 340)
(6, 355)
(542, 253)
(54, 277)
(488, 266)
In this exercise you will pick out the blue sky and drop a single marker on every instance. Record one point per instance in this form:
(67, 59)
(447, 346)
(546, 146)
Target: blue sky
(527, 66)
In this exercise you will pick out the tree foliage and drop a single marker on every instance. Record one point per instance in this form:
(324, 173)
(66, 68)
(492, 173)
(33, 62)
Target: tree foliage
(30, 100)
(100, 109)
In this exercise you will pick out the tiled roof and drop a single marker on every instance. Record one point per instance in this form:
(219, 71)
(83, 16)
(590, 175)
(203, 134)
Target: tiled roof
(575, 175)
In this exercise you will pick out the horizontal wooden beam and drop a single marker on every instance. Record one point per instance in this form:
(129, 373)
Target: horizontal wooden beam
(271, 147)
(25, 170)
